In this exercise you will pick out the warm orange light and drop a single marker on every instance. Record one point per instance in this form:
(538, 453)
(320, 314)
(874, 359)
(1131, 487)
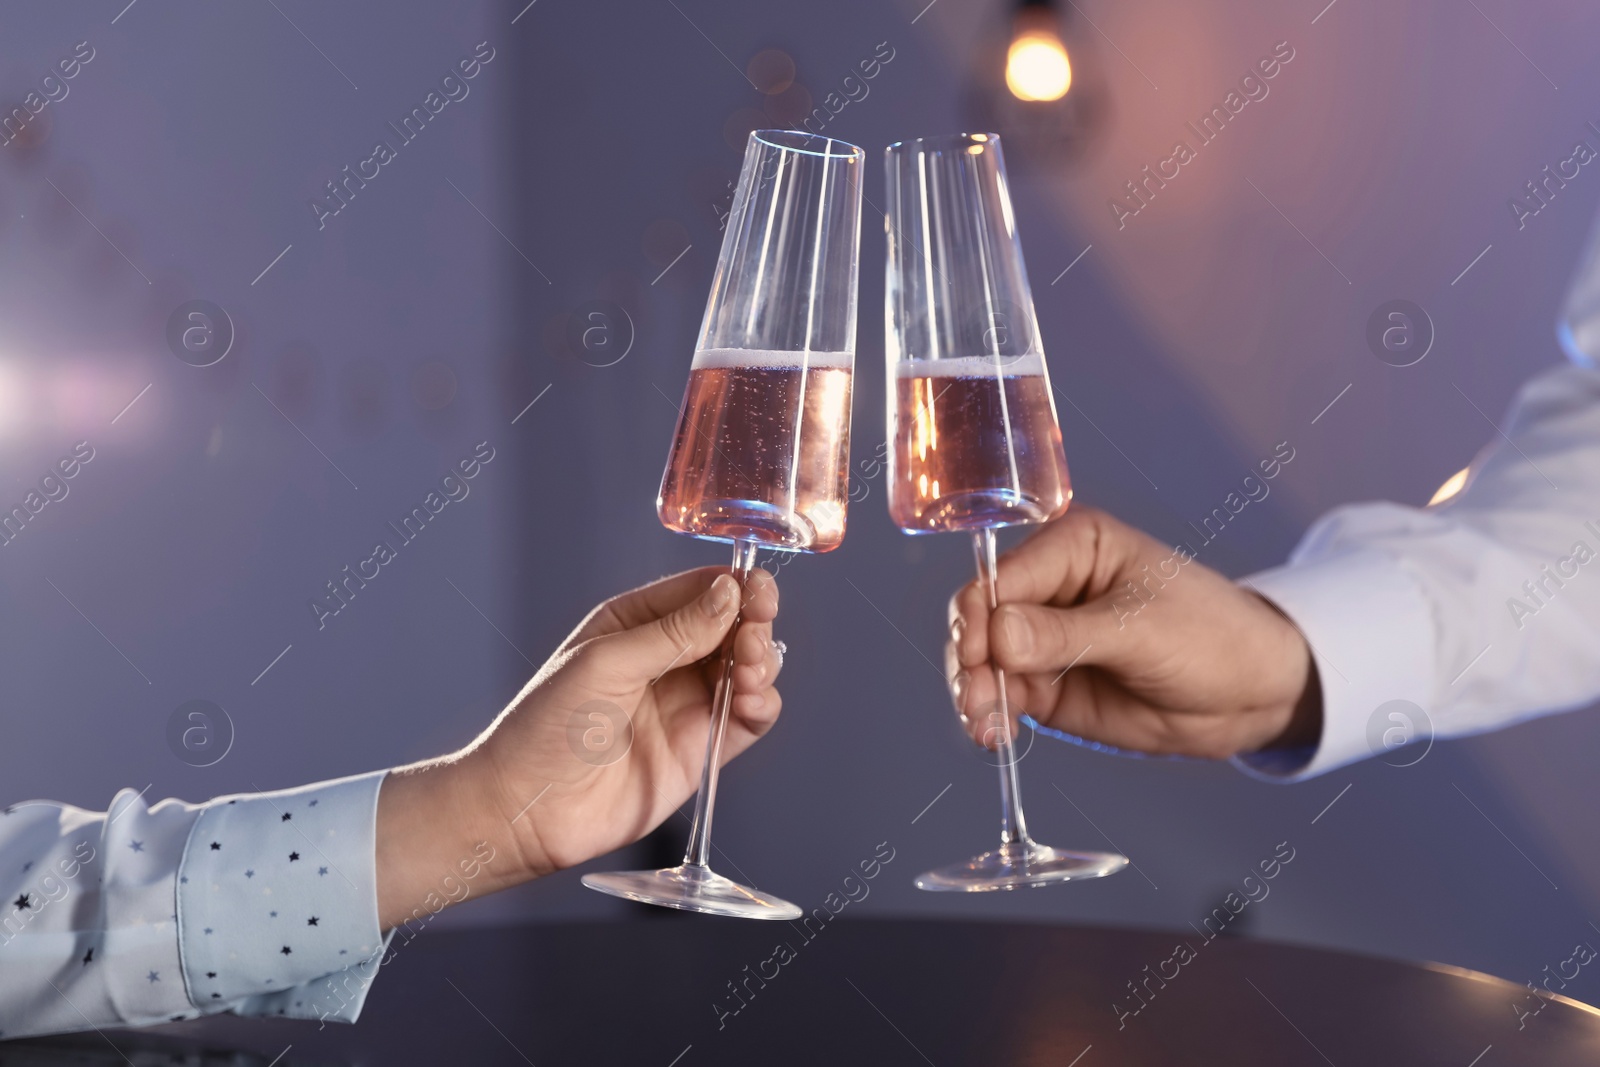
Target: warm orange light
(1451, 487)
(1037, 68)
(924, 432)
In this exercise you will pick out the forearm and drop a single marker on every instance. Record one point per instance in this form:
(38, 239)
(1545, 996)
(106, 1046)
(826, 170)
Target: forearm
(441, 839)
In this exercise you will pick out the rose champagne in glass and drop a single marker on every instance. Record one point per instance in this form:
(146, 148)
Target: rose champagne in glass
(761, 453)
(975, 440)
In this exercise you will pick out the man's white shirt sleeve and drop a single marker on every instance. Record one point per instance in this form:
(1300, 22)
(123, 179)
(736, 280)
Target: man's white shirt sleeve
(1483, 610)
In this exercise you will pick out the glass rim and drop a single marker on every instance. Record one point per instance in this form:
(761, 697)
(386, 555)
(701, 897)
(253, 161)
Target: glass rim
(944, 141)
(810, 144)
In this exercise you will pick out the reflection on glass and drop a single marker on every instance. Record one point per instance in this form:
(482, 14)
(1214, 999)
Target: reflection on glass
(976, 441)
(762, 447)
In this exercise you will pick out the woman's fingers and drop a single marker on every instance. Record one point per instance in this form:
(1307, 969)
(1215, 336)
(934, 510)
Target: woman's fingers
(644, 605)
(642, 654)
(754, 659)
(686, 674)
(637, 607)
(757, 712)
(760, 597)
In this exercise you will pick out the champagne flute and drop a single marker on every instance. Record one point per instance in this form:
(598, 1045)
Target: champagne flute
(762, 448)
(976, 444)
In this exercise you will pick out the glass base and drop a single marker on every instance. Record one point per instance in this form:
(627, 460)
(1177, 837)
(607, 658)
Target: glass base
(978, 510)
(768, 525)
(691, 888)
(1015, 866)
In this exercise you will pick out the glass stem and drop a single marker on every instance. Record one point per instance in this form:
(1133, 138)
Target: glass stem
(698, 854)
(1013, 827)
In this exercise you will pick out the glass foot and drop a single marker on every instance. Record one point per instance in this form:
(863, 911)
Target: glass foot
(1015, 866)
(692, 888)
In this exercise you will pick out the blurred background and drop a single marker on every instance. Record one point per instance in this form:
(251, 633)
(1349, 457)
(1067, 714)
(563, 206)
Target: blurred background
(346, 360)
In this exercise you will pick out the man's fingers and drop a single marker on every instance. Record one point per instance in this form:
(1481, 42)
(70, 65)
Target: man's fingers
(1072, 559)
(1078, 702)
(1090, 705)
(1069, 561)
(969, 624)
(1031, 638)
(973, 693)
(1026, 694)
(1034, 695)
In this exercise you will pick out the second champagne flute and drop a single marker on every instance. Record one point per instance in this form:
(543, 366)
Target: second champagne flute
(762, 449)
(976, 444)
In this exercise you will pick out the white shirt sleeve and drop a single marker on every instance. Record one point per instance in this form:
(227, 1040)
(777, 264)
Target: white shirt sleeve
(1482, 611)
(264, 904)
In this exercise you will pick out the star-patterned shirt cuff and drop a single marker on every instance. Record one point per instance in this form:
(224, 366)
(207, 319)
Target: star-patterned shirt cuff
(277, 901)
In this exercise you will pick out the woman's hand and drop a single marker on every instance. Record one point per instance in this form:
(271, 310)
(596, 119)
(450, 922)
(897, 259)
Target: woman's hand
(605, 742)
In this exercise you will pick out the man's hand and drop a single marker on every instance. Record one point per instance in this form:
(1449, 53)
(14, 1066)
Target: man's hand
(1166, 655)
(606, 741)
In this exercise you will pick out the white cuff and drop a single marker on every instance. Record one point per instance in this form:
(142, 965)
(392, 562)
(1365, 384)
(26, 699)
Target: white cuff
(1371, 634)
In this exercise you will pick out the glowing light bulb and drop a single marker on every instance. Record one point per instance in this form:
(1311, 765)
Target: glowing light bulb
(1037, 67)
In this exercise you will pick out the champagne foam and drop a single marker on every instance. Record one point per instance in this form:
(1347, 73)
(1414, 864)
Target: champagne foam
(732, 358)
(1030, 365)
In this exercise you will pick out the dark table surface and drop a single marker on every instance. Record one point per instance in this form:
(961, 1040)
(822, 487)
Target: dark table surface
(655, 992)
